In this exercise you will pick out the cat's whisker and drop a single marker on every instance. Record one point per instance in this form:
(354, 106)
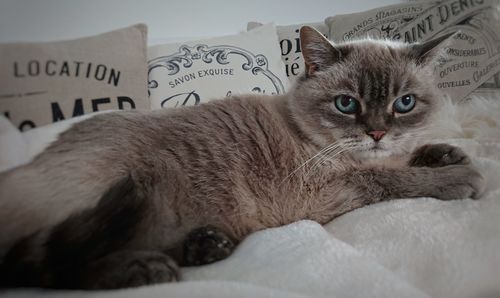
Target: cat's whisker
(326, 148)
(324, 155)
(338, 146)
(333, 156)
(332, 147)
(319, 160)
(330, 155)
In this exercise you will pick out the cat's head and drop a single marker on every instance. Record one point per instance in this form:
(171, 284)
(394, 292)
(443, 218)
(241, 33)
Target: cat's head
(374, 96)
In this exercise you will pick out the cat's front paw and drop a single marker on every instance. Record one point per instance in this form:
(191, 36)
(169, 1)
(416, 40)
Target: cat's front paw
(438, 155)
(206, 245)
(457, 182)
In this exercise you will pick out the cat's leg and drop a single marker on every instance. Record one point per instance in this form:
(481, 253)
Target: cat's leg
(441, 171)
(423, 177)
(96, 248)
(444, 183)
(206, 245)
(37, 196)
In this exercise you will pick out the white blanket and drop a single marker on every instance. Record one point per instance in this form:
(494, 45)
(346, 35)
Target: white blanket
(403, 248)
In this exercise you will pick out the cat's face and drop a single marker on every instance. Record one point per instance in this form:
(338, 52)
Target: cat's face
(375, 97)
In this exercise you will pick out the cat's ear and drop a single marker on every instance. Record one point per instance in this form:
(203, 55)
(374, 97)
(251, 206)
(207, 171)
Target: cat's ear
(431, 50)
(318, 52)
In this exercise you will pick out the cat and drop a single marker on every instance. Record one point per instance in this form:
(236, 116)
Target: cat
(123, 199)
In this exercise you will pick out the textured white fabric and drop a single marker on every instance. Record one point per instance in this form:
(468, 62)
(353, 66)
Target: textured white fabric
(13, 147)
(403, 248)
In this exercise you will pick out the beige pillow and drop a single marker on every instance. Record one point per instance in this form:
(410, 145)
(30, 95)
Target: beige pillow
(194, 72)
(473, 60)
(289, 41)
(41, 83)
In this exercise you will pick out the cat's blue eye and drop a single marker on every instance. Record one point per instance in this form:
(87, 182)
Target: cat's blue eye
(404, 104)
(346, 104)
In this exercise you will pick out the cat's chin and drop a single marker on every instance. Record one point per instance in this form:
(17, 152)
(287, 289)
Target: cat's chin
(373, 154)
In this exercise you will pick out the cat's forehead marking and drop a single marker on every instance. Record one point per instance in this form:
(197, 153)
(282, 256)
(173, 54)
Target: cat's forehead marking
(373, 85)
(377, 70)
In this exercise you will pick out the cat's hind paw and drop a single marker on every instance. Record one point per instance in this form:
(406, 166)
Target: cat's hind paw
(125, 269)
(206, 245)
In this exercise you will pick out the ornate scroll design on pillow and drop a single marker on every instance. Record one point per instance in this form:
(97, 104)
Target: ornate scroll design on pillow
(185, 57)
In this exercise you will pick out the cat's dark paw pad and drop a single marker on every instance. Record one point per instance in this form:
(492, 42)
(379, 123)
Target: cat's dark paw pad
(132, 269)
(438, 155)
(206, 245)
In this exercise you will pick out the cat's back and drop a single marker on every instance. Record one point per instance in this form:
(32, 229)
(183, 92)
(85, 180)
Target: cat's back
(245, 127)
(249, 129)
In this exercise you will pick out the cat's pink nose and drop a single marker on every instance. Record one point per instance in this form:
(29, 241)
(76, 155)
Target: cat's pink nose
(377, 135)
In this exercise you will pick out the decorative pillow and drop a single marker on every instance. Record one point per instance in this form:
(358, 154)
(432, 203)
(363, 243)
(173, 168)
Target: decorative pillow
(289, 41)
(473, 61)
(194, 72)
(41, 83)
